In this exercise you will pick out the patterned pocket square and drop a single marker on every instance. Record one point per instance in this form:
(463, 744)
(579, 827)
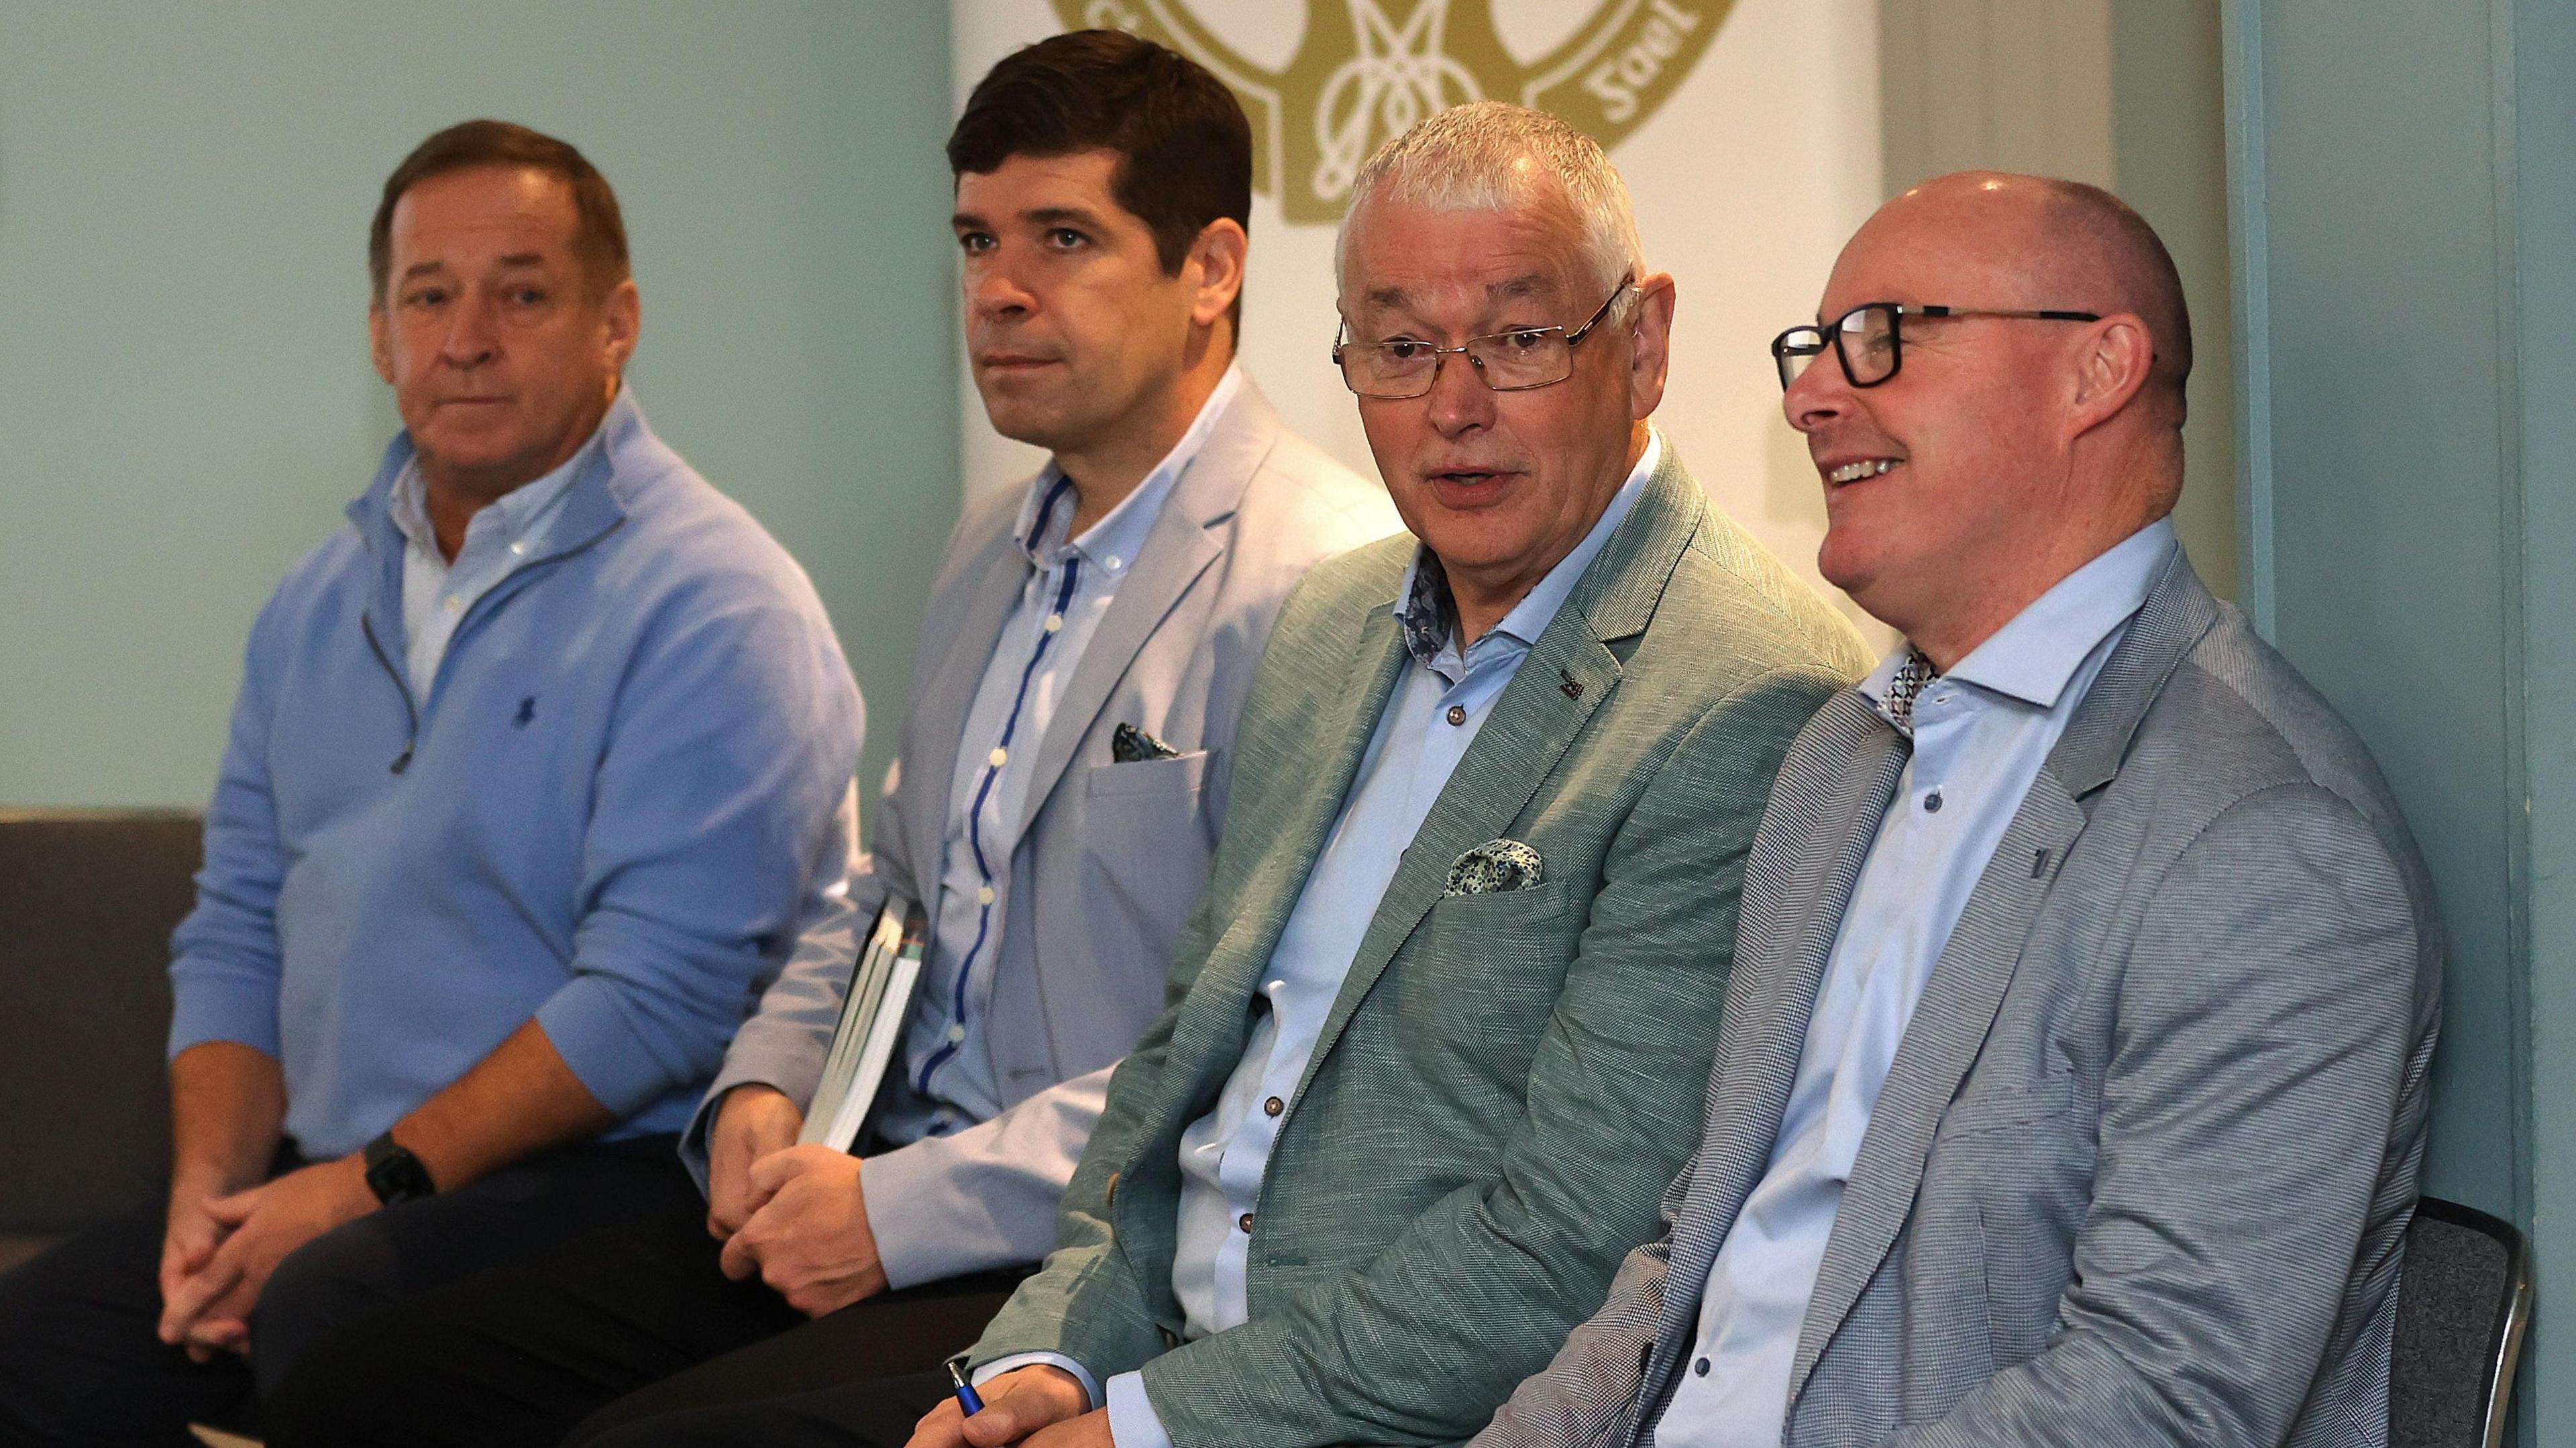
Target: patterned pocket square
(1494, 866)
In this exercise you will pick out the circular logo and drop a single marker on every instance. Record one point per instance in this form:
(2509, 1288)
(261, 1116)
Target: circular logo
(1366, 70)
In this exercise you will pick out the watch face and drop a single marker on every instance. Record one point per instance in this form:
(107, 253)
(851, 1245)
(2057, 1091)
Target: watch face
(394, 1174)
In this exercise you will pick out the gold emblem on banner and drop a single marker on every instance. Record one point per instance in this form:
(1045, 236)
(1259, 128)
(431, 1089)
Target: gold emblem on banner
(1366, 70)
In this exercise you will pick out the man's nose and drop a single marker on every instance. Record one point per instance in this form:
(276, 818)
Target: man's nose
(993, 290)
(471, 339)
(1459, 401)
(1816, 396)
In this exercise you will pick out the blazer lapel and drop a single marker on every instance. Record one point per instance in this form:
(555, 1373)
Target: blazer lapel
(1968, 982)
(1176, 552)
(1826, 807)
(1215, 1019)
(1940, 1042)
(1560, 683)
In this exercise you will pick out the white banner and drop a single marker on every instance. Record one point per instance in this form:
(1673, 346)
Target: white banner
(1748, 134)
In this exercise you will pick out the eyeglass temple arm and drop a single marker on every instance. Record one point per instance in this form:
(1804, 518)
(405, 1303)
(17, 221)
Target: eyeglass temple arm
(2039, 316)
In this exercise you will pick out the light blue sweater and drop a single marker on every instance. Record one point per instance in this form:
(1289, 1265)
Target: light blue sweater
(610, 813)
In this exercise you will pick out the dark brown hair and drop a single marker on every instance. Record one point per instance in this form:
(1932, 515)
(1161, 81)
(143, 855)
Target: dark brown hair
(1184, 147)
(599, 231)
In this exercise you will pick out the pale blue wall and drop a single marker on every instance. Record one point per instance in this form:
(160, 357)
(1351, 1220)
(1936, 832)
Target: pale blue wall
(185, 401)
(2405, 175)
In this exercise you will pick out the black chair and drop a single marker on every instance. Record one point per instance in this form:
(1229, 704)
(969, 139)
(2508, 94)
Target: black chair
(2463, 1303)
(87, 902)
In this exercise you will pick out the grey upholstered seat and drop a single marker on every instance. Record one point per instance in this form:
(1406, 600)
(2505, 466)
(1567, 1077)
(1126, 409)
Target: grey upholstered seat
(2461, 1308)
(87, 902)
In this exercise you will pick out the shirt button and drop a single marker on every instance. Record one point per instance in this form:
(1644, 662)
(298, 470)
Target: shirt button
(1244, 1221)
(984, 895)
(1700, 1368)
(998, 757)
(1457, 713)
(454, 603)
(957, 1033)
(519, 549)
(1112, 563)
(1273, 1106)
(1932, 802)
(1054, 621)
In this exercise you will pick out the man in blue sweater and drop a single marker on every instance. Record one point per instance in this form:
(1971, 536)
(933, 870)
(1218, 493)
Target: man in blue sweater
(537, 767)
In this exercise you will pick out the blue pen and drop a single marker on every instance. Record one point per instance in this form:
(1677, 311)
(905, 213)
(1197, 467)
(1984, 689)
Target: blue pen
(965, 1391)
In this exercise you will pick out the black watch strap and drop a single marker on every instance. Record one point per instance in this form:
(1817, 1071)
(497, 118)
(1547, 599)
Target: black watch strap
(394, 1174)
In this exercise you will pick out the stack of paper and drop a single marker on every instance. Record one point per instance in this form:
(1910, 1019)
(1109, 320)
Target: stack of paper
(872, 1017)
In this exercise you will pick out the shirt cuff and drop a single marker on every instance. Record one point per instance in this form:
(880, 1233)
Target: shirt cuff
(1133, 1423)
(1017, 1360)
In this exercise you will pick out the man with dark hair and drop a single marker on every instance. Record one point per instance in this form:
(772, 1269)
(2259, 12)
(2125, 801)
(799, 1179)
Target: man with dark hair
(1065, 768)
(537, 767)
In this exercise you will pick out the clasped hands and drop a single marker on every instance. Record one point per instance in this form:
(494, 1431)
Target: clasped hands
(220, 1247)
(796, 1217)
(792, 1215)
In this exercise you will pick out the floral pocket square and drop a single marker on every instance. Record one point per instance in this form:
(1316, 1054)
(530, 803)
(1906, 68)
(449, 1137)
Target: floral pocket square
(1494, 866)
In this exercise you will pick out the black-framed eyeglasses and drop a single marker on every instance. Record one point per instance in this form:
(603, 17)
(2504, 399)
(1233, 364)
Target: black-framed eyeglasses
(1869, 340)
(1513, 361)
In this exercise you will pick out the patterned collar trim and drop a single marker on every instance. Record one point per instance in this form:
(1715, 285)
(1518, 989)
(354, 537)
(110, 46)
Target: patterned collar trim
(1429, 615)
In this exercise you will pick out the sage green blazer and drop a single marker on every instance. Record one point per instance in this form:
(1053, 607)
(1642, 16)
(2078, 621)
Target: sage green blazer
(1506, 1081)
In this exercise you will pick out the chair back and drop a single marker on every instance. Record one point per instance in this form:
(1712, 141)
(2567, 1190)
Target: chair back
(88, 899)
(2463, 1302)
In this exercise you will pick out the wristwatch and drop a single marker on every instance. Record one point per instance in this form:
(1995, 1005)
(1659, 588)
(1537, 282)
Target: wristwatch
(394, 1174)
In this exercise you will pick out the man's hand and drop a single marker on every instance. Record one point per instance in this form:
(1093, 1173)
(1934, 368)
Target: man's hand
(1016, 1404)
(751, 1122)
(209, 1308)
(187, 1245)
(1091, 1430)
(810, 1240)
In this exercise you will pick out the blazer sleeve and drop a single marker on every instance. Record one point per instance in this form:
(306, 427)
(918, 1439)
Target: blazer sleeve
(1588, 1392)
(2265, 1087)
(1086, 1301)
(1477, 1292)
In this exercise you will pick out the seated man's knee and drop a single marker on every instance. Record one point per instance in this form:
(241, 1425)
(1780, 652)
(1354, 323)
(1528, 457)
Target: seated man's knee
(319, 1289)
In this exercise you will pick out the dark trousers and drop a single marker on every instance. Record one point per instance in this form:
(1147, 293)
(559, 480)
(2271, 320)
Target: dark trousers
(622, 1334)
(79, 1361)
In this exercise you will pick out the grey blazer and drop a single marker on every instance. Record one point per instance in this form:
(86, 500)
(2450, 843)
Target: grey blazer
(1505, 1080)
(1109, 857)
(2142, 1166)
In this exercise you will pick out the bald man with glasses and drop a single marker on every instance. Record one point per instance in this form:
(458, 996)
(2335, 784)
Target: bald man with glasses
(2073, 1082)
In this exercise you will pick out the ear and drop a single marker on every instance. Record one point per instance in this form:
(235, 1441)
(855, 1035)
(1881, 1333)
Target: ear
(1650, 337)
(622, 316)
(1218, 255)
(2112, 362)
(380, 341)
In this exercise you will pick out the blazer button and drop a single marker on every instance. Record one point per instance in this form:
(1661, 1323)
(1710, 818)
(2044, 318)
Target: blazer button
(1273, 1106)
(1244, 1221)
(1112, 1192)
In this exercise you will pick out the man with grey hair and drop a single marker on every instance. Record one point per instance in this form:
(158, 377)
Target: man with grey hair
(1444, 1009)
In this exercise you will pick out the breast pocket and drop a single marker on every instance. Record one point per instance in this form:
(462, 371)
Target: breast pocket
(1487, 969)
(1145, 850)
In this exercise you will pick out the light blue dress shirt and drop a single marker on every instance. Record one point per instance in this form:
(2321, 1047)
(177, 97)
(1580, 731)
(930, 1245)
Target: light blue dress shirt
(1981, 733)
(1436, 711)
(501, 536)
(949, 1082)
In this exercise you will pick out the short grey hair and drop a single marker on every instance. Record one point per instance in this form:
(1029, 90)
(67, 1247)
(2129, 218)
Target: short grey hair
(1464, 159)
